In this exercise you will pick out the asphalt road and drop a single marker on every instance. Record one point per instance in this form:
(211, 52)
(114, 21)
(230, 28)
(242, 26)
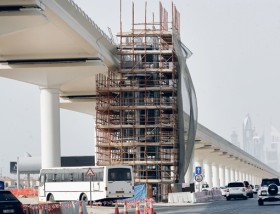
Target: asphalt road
(224, 207)
(249, 206)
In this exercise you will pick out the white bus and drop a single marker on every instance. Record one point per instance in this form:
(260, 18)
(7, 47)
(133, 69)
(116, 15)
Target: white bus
(73, 183)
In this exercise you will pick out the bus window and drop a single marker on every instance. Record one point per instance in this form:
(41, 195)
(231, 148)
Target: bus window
(49, 177)
(42, 179)
(77, 176)
(58, 177)
(119, 174)
(54, 178)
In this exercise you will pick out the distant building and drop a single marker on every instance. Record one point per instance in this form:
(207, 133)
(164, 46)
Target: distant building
(273, 152)
(234, 139)
(265, 148)
(248, 133)
(257, 148)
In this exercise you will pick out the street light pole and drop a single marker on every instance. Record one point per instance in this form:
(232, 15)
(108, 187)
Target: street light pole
(18, 175)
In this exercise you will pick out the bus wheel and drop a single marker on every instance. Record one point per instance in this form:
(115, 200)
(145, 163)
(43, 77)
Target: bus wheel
(51, 198)
(84, 198)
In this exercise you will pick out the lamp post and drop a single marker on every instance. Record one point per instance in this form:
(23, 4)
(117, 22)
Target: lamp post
(18, 175)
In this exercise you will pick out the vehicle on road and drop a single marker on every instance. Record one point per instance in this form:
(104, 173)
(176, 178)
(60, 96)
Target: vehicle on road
(76, 183)
(256, 188)
(269, 190)
(236, 190)
(249, 190)
(9, 203)
(223, 191)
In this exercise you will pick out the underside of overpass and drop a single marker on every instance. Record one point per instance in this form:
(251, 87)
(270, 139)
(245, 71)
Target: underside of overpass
(223, 162)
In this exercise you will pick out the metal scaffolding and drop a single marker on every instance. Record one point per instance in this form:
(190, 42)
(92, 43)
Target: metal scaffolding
(136, 107)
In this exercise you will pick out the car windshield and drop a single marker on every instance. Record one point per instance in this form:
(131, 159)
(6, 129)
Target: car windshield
(7, 196)
(266, 182)
(236, 184)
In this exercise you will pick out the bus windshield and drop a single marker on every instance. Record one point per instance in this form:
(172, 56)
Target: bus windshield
(119, 174)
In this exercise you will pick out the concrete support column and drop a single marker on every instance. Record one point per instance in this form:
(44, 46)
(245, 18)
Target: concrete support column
(243, 176)
(232, 174)
(216, 177)
(253, 179)
(50, 128)
(222, 176)
(227, 174)
(208, 174)
(236, 175)
(250, 178)
(239, 175)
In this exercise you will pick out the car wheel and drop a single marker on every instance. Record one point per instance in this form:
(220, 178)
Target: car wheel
(84, 198)
(245, 197)
(260, 202)
(51, 198)
(228, 198)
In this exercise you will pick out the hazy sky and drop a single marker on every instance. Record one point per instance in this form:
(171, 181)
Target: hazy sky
(234, 67)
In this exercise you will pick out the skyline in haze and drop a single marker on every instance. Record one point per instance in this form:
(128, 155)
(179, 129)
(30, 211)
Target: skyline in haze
(234, 68)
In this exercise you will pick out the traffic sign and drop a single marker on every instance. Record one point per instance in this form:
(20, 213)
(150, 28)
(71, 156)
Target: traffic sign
(198, 178)
(198, 170)
(90, 172)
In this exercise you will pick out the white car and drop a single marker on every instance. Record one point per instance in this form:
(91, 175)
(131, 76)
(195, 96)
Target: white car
(256, 188)
(223, 191)
(269, 190)
(236, 190)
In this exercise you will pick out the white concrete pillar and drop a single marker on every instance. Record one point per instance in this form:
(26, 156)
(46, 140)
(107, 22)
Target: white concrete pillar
(232, 174)
(50, 128)
(239, 175)
(216, 180)
(208, 174)
(227, 174)
(250, 178)
(222, 176)
(243, 176)
(236, 175)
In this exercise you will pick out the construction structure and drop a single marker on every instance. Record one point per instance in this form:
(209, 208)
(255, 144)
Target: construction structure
(146, 110)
